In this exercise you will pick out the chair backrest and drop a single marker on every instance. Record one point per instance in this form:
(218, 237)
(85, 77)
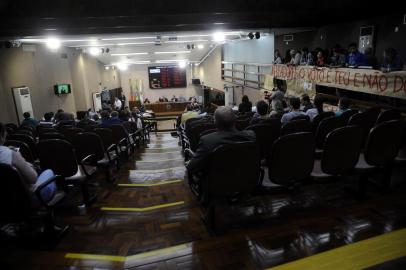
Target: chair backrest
(24, 132)
(189, 121)
(266, 133)
(28, 128)
(24, 149)
(300, 117)
(52, 135)
(206, 132)
(70, 133)
(228, 174)
(291, 159)
(341, 150)
(371, 116)
(15, 196)
(12, 126)
(361, 120)
(106, 136)
(30, 141)
(194, 133)
(43, 130)
(295, 126)
(119, 132)
(131, 127)
(318, 118)
(383, 143)
(325, 127)
(345, 116)
(59, 156)
(88, 143)
(388, 115)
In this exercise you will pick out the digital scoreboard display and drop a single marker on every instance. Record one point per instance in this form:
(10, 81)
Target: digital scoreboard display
(167, 77)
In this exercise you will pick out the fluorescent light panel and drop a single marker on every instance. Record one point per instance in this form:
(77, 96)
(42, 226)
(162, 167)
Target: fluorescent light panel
(174, 52)
(123, 54)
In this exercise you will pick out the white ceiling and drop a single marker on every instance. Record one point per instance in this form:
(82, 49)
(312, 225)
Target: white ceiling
(147, 47)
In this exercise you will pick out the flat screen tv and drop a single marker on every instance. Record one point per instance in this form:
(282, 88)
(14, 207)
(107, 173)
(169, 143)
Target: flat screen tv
(161, 77)
(196, 81)
(61, 89)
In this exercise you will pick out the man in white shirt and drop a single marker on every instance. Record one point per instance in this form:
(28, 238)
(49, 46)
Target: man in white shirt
(117, 104)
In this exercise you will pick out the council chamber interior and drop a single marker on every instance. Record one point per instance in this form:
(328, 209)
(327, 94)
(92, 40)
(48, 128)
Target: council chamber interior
(202, 135)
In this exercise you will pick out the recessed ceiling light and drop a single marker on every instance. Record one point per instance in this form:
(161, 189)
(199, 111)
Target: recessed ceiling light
(127, 38)
(182, 64)
(219, 37)
(107, 67)
(200, 46)
(53, 43)
(174, 52)
(122, 66)
(94, 51)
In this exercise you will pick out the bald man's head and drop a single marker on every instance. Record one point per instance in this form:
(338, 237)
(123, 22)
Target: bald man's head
(224, 118)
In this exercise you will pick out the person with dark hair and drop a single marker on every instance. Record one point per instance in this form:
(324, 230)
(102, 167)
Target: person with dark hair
(321, 59)
(47, 122)
(318, 107)
(225, 119)
(108, 120)
(306, 104)
(337, 58)
(189, 113)
(261, 114)
(287, 57)
(391, 61)
(11, 157)
(84, 119)
(294, 103)
(306, 58)
(245, 106)
(343, 105)
(29, 121)
(370, 59)
(277, 57)
(354, 57)
(277, 110)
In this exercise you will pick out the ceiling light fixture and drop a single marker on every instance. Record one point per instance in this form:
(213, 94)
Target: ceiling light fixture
(53, 43)
(219, 37)
(122, 66)
(173, 52)
(106, 67)
(172, 61)
(136, 43)
(94, 51)
(182, 64)
(200, 46)
(126, 38)
(124, 54)
(186, 41)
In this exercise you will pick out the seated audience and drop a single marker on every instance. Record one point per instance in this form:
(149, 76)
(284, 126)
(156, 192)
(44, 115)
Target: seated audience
(107, 120)
(343, 105)
(29, 121)
(318, 107)
(306, 104)
(306, 58)
(91, 113)
(391, 61)
(261, 114)
(84, 120)
(174, 99)
(245, 106)
(295, 57)
(225, 119)
(47, 120)
(294, 104)
(277, 57)
(125, 114)
(354, 57)
(25, 169)
(189, 113)
(277, 110)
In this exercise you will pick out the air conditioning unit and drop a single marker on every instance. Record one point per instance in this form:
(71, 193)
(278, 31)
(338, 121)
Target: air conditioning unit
(287, 38)
(366, 38)
(22, 102)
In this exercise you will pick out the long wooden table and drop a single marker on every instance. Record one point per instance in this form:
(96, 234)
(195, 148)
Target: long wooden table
(167, 108)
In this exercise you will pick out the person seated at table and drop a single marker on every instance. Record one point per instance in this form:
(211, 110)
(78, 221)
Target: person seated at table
(261, 114)
(174, 99)
(294, 104)
(224, 119)
(343, 105)
(31, 179)
(189, 113)
(245, 105)
(391, 61)
(337, 59)
(354, 57)
(29, 121)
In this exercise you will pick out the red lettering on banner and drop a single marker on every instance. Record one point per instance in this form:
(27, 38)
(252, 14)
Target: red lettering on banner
(320, 78)
(312, 75)
(368, 80)
(341, 77)
(302, 73)
(375, 82)
(346, 78)
(336, 77)
(385, 85)
(355, 79)
(395, 83)
(328, 76)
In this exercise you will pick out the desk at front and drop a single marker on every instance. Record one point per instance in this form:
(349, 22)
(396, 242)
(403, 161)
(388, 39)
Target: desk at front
(167, 108)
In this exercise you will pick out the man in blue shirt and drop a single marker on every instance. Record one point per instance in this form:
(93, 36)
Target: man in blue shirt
(108, 121)
(29, 121)
(354, 57)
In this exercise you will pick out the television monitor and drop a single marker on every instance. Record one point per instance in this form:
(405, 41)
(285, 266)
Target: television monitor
(61, 89)
(167, 77)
